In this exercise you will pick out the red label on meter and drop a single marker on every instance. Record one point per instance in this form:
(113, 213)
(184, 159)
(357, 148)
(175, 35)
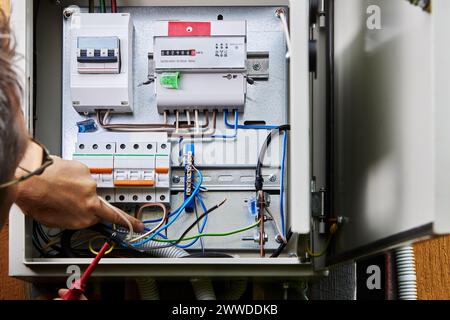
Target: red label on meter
(189, 29)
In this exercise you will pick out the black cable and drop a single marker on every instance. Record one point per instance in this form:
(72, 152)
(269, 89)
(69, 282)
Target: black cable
(259, 180)
(198, 225)
(91, 6)
(66, 246)
(282, 246)
(36, 243)
(40, 234)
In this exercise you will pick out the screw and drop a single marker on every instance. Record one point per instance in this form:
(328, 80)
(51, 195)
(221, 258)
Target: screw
(341, 220)
(256, 67)
(176, 179)
(273, 178)
(279, 12)
(69, 11)
(279, 238)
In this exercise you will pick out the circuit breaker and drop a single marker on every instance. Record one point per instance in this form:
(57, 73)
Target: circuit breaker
(192, 56)
(101, 64)
(128, 171)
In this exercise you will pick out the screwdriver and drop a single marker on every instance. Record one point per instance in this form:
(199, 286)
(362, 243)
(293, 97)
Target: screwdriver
(79, 286)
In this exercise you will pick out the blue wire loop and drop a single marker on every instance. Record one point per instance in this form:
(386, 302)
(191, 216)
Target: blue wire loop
(235, 127)
(240, 126)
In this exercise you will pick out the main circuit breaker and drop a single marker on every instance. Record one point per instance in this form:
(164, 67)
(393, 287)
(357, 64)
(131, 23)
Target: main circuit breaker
(192, 56)
(101, 63)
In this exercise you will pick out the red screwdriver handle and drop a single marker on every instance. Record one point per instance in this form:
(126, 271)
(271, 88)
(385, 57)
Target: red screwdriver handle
(79, 286)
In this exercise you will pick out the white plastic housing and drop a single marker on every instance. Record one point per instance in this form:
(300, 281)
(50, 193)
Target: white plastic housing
(102, 90)
(208, 54)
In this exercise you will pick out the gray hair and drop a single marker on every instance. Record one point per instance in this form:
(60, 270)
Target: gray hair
(11, 139)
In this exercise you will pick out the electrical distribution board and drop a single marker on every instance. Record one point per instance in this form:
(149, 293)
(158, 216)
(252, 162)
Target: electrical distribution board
(178, 145)
(182, 116)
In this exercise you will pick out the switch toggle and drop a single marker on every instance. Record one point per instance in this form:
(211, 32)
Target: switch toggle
(170, 80)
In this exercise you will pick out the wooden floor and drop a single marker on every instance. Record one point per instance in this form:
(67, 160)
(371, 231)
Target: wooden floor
(10, 289)
(433, 269)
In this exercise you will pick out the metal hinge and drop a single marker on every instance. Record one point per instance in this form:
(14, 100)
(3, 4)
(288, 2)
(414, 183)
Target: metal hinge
(318, 206)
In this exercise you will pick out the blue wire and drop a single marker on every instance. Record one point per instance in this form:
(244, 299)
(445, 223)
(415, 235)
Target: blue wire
(283, 160)
(240, 126)
(202, 203)
(202, 228)
(235, 127)
(176, 213)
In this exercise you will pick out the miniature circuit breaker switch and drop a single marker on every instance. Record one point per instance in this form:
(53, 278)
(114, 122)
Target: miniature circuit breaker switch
(128, 172)
(192, 56)
(101, 69)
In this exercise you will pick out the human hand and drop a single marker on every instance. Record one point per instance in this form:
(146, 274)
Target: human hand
(63, 292)
(65, 196)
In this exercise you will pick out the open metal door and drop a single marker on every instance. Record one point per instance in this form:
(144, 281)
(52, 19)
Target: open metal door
(390, 169)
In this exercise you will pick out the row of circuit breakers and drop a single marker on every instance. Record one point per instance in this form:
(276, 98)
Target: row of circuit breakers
(187, 57)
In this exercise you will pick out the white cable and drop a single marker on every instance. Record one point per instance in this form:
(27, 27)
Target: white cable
(122, 214)
(406, 273)
(188, 117)
(282, 15)
(177, 113)
(203, 289)
(149, 233)
(197, 126)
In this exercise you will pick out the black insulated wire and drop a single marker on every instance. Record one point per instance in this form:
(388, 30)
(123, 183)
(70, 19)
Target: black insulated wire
(282, 246)
(91, 6)
(259, 180)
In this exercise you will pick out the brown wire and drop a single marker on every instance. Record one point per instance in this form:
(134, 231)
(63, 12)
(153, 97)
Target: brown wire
(201, 134)
(145, 126)
(152, 205)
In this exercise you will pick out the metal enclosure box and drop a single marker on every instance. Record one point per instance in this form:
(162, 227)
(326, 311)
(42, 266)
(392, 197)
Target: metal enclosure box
(23, 262)
(102, 85)
(386, 136)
